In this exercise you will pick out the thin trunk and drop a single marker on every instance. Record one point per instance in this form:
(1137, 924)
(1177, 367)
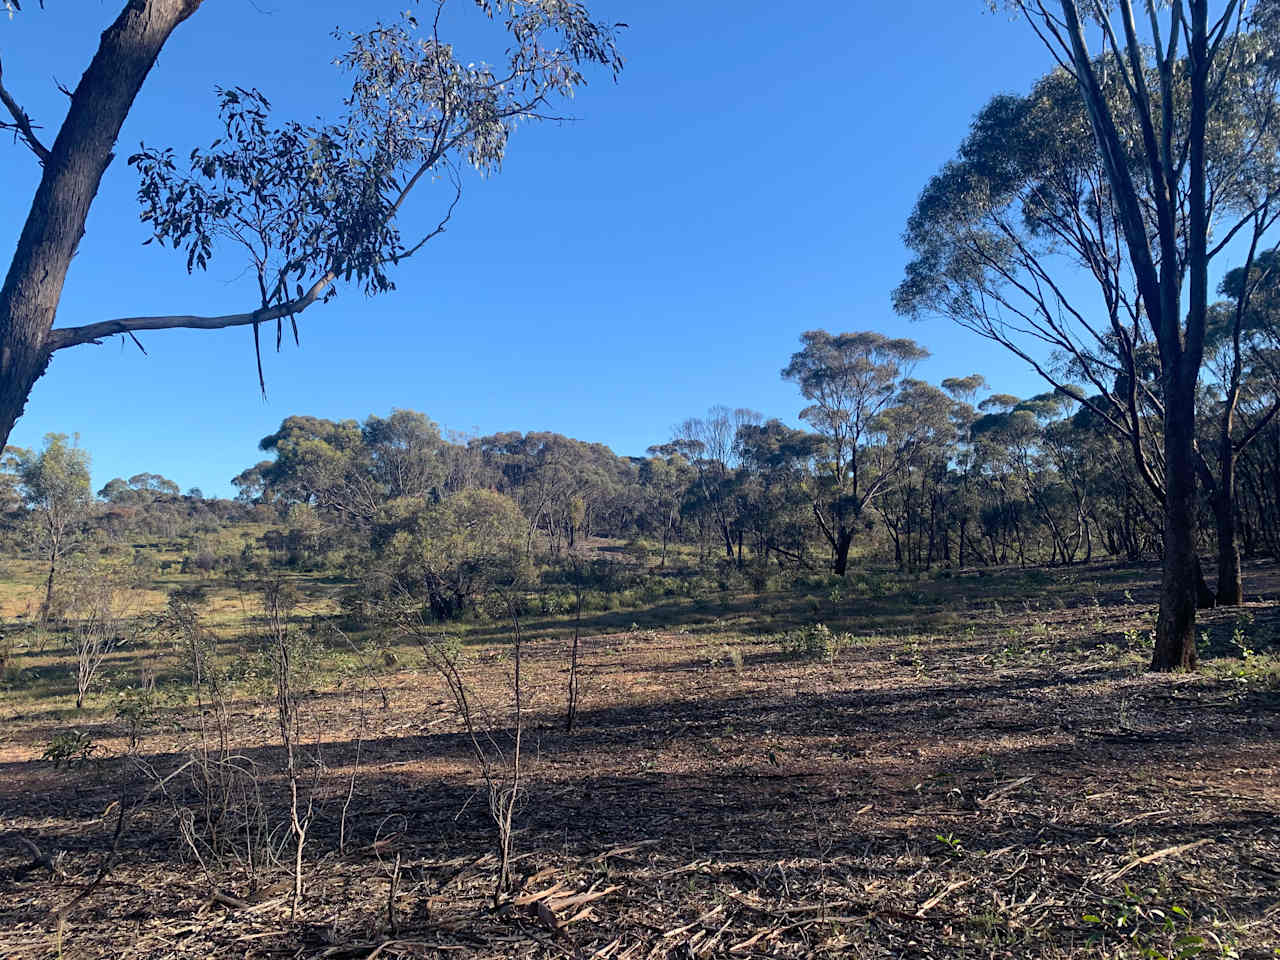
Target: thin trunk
(48, 589)
(1230, 580)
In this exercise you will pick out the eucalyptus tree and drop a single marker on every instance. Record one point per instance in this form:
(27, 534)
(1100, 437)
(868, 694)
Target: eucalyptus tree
(10, 496)
(541, 472)
(323, 463)
(772, 489)
(448, 554)
(307, 206)
(710, 444)
(406, 454)
(849, 379)
(665, 477)
(54, 484)
(1242, 344)
(961, 496)
(1004, 440)
(920, 429)
(1039, 455)
(1259, 487)
(1135, 167)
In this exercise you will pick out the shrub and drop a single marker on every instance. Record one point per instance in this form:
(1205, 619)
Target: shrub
(206, 560)
(70, 748)
(815, 642)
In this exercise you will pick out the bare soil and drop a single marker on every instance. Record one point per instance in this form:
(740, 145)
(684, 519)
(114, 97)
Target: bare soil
(1000, 780)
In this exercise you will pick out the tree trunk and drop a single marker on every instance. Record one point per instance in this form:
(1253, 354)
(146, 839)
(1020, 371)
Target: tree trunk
(48, 588)
(78, 158)
(1205, 598)
(842, 544)
(1176, 627)
(1230, 580)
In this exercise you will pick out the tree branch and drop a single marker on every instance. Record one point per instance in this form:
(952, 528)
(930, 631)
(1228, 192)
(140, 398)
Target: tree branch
(21, 123)
(64, 337)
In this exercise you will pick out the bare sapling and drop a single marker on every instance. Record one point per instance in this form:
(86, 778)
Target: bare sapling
(99, 606)
(367, 678)
(214, 772)
(500, 768)
(121, 812)
(504, 796)
(221, 817)
(279, 600)
(575, 682)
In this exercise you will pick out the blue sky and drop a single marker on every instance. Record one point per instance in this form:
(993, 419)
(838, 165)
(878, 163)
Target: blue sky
(748, 178)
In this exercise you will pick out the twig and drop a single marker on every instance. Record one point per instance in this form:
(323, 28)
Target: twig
(1007, 788)
(22, 124)
(1153, 857)
(938, 898)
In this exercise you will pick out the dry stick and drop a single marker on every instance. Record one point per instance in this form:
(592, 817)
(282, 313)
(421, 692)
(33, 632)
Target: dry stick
(938, 898)
(364, 665)
(51, 863)
(502, 800)
(392, 923)
(125, 814)
(277, 613)
(571, 713)
(351, 786)
(1007, 788)
(504, 826)
(366, 675)
(1158, 855)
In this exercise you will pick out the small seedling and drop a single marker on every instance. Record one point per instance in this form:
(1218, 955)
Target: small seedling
(955, 847)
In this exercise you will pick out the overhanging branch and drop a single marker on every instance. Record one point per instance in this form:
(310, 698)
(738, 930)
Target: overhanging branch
(64, 337)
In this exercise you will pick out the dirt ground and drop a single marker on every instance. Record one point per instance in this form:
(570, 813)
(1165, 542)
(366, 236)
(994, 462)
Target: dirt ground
(1003, 780)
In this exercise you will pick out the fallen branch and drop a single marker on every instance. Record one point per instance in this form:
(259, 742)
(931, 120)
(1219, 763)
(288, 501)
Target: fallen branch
(1153, 857)
(1007, 788)
(51, 863)
(938, 898)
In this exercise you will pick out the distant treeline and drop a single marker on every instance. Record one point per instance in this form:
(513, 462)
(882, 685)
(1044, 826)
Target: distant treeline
(887, 468)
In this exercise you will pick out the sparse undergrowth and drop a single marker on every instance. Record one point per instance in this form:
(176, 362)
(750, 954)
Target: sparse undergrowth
(960, 767)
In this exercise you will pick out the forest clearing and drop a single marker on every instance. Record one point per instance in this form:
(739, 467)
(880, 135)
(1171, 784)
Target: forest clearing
(979, 768)
(760, 482)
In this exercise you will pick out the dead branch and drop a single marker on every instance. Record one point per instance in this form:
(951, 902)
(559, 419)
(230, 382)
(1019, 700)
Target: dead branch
(21, 124)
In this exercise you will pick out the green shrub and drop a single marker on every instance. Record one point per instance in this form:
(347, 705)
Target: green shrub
(70, 747)
(815, 642)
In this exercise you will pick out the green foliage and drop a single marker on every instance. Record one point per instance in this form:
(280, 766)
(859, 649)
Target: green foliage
(136, 707)
(54, 484)
(56, 478)
(451, 552)
(71, 748)
(1155, 931)
(310, 204)
(1140, 640)
(952, 844)
(851, 380)
(815, 642)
